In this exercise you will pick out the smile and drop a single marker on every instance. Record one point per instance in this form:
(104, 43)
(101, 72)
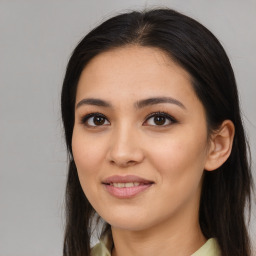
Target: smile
(126, 186)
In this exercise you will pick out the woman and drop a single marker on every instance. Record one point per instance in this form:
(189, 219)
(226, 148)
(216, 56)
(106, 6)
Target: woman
(156, 143)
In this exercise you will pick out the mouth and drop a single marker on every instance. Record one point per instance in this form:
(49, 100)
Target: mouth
(126, 186)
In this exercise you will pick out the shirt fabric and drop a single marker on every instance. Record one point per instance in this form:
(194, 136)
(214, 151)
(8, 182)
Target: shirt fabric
(103, 248)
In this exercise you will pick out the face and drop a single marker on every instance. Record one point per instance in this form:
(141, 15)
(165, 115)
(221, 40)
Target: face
(139, 139)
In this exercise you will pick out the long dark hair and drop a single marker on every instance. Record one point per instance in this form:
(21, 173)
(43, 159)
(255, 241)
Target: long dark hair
(226, 191)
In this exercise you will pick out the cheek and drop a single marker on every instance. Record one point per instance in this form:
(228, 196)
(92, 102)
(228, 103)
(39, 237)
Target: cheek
(180, 159)
(87, 151)
(180, 164)
(88, 155)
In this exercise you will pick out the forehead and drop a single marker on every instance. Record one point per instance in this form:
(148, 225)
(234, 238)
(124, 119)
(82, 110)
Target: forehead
(133, 71)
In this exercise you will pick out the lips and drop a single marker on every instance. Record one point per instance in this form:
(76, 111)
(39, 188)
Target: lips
(126, 179)
(126, 186)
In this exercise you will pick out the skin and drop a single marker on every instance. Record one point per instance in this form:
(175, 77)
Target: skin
(163, 218)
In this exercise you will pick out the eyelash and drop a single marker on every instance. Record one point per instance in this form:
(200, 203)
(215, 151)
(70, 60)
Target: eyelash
(84, 120)
(162, 114)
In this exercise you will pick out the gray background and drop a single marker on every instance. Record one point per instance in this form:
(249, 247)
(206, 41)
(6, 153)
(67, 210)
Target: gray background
(36, 40)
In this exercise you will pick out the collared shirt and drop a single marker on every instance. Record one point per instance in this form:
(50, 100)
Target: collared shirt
(103, 248)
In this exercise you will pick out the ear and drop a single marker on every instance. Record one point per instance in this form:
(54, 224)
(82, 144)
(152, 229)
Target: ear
(220, 146)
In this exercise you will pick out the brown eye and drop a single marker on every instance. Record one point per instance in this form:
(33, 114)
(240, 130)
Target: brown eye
(159, 119)
(98, 120)
(94, 120)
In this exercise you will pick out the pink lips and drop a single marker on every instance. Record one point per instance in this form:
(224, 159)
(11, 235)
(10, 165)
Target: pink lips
(139, 185)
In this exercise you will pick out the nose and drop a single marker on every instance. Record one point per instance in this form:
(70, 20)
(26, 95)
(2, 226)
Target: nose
(125, 149)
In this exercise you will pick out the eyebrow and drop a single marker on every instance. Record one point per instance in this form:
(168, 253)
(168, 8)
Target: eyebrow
(158, 100)
(95, 102)
(138, 104)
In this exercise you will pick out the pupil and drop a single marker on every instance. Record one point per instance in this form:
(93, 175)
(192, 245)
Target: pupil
(159, 120)
(98, 120)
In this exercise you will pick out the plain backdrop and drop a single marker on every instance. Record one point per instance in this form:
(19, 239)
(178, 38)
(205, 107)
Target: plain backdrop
(36, 40)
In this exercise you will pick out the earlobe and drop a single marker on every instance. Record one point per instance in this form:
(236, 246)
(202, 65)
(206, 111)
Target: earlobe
(220, 146)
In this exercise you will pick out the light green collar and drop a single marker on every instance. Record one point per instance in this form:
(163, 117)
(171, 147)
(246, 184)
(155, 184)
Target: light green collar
(210, 248)
(103, 248)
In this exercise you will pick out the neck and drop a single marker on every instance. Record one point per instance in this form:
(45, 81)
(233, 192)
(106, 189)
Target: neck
(173, 238)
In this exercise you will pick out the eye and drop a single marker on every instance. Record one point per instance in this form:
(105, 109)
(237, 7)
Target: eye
(95, 119)
(159, 119)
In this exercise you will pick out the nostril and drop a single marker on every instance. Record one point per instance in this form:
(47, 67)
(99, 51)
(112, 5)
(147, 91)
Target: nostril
(131, 162)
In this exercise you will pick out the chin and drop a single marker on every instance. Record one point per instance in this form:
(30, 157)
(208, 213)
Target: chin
(134, 222)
